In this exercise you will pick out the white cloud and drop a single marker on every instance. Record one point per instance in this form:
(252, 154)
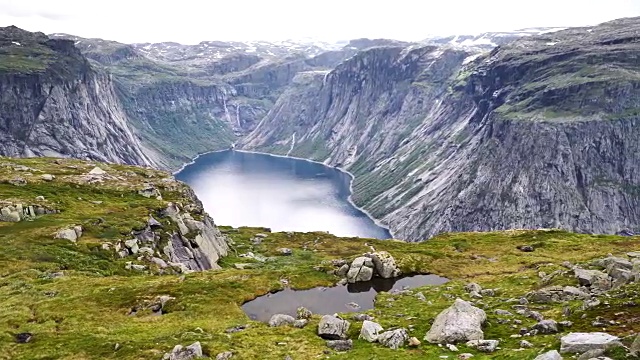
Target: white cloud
(191, 21)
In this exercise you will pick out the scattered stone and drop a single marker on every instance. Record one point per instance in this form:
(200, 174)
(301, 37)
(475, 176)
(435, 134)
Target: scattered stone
(261, 235)
(362, 317)
(550, 355)
(236, 329)
(525, 248)
(132, 245)
(413, 342)
(473, 288)
(300, 323)
(634, 350)
(582, 342)
(452, 347)
(460, 322)
(285, 251)
(18, 181)
(333, 328)
(97, 171)
(565, 324)
(130, 266)
(303, 313)
(281, 320)
(503, 313)
(488, 292)
(67, 234)
(465, 356)
(23, 338)
(487, 346)
(535, 315)
(370, 331)
(361, 269)
(47, 177)
(193, 351)
(525, 344)
(243, 266)
(589, 304)
(224, 355)
(393, 339)
(591, 354)
(420, 296)
(340, 345)
(546, 327)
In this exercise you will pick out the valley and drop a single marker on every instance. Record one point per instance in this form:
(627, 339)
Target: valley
(505, 164)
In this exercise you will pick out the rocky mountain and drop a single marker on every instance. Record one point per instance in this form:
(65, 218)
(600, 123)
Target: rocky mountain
(538, 133)
(53, 103)
(488, 40)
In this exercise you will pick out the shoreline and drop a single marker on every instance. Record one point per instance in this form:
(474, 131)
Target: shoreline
(351, 177)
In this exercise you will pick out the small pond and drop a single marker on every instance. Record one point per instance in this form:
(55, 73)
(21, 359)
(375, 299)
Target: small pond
(332, 300)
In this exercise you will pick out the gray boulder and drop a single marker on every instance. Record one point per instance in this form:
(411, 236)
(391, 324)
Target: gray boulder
(47, 177)
(340, 345)
(593, 278)
(550, 355)
(303, 313)
(384, 264)
(224, 355)
(333, 328)
(460, 322)
(473, 288)
(342, 271)
(281, 320)
(370, 331)
(193, 351)
(487, 346)
(285, 251)
(67, 234)
(300, 323)
(546, 327)
(579, 343)
(361, 269)
(393, 339)
(591, 354)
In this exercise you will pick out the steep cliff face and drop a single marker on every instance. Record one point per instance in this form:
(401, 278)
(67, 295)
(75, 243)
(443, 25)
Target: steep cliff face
(52, 103)
(182, 118)
(541, 132)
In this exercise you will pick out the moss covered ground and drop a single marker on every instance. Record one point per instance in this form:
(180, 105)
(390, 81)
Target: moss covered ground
(85, 313)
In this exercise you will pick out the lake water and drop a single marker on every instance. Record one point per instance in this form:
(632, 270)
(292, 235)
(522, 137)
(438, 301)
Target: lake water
(342, 298)
(284, 194)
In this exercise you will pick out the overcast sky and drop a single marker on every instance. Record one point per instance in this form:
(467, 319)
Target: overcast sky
(191, 21)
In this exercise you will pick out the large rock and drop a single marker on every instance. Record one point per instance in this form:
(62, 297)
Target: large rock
(550, 355)
(67, 234)
(193, 351)
(361, 269)
(394, 339)
(370, 331)
(384, 264)
(333, 328)
(460, 322)
(546, 327)
(582, 342)
(281, 320)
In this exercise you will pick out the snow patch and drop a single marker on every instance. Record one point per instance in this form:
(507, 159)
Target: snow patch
(16, 43)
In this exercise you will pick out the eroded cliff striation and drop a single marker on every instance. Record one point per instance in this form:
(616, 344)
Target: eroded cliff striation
(53, 103)
(539, 133)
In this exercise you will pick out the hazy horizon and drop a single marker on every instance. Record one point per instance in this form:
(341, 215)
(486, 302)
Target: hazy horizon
(190, 21)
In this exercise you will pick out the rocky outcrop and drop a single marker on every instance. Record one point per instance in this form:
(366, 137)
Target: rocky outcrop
(179, 352)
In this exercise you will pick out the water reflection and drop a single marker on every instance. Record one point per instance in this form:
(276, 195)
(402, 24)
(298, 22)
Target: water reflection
(332, 300)
(245, 189)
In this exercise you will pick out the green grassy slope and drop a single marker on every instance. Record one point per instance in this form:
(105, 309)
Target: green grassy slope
(85, 313)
